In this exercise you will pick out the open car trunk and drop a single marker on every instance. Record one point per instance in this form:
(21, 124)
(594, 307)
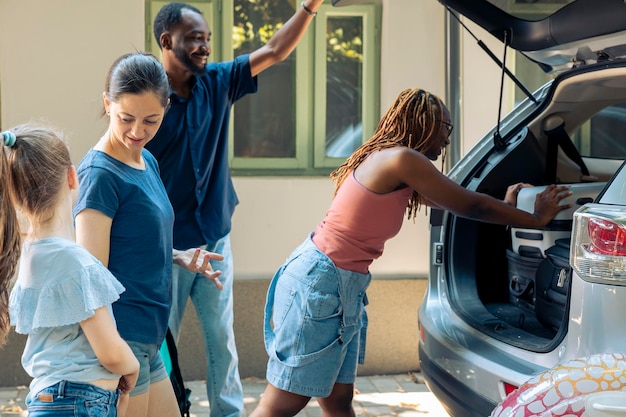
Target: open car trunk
(510, 283)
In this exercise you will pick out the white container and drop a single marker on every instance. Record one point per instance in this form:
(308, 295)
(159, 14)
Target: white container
(534, 242)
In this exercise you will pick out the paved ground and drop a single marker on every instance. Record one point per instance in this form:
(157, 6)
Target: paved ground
(387, 395)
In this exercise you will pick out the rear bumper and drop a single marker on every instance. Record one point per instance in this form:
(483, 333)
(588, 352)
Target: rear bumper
(457, 399)
(466, 370)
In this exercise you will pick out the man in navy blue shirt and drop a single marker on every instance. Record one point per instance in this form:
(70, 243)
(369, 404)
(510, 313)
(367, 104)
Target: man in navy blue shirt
(192, 149)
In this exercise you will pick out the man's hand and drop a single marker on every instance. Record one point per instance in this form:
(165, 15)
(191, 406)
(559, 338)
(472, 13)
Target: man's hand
(199, 261)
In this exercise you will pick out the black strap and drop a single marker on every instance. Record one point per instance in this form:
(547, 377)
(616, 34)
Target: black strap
(182, 393)
(559, 137)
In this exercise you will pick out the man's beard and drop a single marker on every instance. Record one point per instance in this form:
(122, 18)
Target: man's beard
(184, 59)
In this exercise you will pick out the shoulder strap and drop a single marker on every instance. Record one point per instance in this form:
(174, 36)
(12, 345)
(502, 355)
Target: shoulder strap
(182, 393)
(559, 137)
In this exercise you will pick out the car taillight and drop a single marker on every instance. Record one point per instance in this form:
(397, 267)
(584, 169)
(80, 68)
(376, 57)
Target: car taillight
(598, 248)
(509, 388)
(607, 237)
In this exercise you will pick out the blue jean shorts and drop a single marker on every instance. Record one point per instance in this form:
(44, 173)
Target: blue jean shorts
(70, 399)
(315, 323)
(151, 366)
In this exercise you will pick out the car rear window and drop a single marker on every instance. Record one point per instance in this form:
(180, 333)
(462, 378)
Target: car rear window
(603, 136)
(530, 9)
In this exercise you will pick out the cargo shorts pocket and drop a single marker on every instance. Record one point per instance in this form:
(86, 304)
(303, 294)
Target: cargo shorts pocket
(307, 313)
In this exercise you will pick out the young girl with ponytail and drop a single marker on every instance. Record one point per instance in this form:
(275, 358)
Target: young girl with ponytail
(62, 295)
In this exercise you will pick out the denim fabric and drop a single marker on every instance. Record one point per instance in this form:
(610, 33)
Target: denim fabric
(68, 399)
(315, 323)
(151, 366)
(214, 309)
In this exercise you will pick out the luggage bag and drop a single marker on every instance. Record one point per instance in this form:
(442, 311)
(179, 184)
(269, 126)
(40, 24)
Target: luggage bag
(534, 242)
(553, 281)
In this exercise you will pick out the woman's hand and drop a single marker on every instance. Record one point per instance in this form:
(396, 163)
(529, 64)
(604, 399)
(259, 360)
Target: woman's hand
(199, 261)
(547, 202)
(511, 193)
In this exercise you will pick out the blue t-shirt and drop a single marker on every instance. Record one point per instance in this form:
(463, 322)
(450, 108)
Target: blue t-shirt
(192, 149)
(141, 239)
(59, 284)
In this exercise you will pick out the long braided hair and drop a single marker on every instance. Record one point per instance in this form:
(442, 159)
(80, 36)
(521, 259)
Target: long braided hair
(410, 121)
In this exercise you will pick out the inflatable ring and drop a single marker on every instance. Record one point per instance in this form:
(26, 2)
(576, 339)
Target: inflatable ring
(570, 388)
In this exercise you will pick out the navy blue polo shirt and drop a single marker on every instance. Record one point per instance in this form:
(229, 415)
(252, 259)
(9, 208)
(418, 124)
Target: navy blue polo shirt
(192, 149)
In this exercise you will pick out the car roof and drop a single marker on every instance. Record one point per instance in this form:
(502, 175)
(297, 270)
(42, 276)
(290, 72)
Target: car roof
(556, 34)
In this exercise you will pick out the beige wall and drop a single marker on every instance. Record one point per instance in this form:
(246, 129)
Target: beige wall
(53, 59)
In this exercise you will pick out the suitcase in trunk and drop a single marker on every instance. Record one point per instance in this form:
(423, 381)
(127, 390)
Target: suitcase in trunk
(534, 242)
(522, 271)
(553, 281)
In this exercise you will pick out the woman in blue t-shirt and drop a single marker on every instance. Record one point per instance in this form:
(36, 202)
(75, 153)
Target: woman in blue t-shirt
(62, 295)
(124, 217)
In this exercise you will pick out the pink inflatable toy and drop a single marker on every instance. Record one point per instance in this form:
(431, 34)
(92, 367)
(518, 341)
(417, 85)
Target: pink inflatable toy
(579, 387)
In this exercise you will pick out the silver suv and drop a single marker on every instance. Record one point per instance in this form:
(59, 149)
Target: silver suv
(504, 305)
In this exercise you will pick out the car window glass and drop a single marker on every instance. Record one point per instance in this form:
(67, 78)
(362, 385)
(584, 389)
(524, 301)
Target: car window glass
(530, 9)
(616, 191)
(344, 74)
(602, 136)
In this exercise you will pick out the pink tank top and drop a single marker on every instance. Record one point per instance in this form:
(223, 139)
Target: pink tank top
(358, 223)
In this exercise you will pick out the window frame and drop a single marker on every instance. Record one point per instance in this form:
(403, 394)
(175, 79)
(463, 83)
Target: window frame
(310, 114)
(370, 99)
(269, 166)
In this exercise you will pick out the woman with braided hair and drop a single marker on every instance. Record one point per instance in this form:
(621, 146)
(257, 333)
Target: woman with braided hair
(314, 315)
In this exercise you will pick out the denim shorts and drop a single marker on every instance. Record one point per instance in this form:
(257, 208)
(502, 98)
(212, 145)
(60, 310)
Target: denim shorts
(315, 323)
(69, 399)
(151, 366)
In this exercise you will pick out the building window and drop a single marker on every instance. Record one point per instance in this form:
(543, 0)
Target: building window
(341, 101)
(311, 110)
(264, 122)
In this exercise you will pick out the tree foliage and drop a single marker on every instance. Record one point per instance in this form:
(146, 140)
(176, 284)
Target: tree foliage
(256, 21)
